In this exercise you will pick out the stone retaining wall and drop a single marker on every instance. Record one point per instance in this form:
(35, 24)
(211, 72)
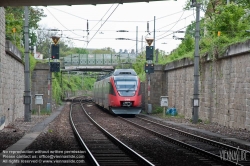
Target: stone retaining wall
(2, 53)
(224, 87)
(11, 78)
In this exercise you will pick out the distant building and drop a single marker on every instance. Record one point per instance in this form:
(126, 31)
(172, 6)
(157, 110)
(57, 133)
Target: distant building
(132, 51)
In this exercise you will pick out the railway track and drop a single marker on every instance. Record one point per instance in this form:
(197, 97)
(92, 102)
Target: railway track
(222, 153)
(101, 147)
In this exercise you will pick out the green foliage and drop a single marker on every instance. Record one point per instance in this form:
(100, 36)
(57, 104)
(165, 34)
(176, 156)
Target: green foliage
(42, 112)
(106, 50)
(158, 110)
(32, 63)
(56, 87)
(138, 66)
(14, 17)
(185, 50)
(70, 82)
(229, 20)
(88, 83)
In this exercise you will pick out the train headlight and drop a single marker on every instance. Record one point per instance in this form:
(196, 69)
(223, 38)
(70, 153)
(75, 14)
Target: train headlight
(127, 103)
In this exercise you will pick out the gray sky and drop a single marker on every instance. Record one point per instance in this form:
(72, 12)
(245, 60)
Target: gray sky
(73, 21)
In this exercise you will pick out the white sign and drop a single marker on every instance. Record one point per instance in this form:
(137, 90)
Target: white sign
(196, 102)
(38, 98)
(164, 101)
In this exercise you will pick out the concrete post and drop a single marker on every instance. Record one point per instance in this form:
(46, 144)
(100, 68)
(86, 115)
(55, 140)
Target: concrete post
(196, 66)
(27, 97)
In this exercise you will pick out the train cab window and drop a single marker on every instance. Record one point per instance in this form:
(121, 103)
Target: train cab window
(126, 86)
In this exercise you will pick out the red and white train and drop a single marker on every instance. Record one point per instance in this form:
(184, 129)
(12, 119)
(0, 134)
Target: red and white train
(120, 92)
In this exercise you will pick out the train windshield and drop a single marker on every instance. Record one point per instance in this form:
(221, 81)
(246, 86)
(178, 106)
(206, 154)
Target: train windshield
(126, 87)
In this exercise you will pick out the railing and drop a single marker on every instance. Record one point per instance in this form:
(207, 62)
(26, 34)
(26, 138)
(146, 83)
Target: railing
(97, 59)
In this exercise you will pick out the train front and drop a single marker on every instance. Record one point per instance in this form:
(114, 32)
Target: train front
(128, 95)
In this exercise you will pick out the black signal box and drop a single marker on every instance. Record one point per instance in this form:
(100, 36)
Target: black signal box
(55, 51)
(149, 68)
(54, 66)
(149, 52)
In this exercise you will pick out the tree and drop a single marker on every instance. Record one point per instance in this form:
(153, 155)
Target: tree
(106, 50)
(44, 41)
(229, 19)
(14, 24)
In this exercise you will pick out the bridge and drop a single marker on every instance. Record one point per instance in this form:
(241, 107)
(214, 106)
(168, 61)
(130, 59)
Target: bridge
(95, 62)
(64, 2)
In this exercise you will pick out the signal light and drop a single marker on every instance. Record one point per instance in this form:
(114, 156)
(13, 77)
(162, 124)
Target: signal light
(149, 52)
(54, 66)
(55, 51)
(149, 68)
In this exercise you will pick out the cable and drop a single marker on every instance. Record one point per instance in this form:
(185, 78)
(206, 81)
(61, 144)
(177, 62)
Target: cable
(114, 20)
(175, 22)
(103, 24)
(75, 39)
(173, 25)
(103, 16)
(167, 15)
(68, 13)
(113, 30)
(169, 25)
(170, 34)
(62, 24)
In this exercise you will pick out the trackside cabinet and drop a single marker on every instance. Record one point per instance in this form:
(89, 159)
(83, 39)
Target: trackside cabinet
(39, 99)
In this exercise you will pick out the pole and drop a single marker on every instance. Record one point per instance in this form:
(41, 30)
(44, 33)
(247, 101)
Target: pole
(141, 44)
(27, 97)
(62, 86)
(196, 66)
(136, 52)
(149, 105)
(156, 55)
(164, 115)
(49, 104)
(39, 109)
(154, 41)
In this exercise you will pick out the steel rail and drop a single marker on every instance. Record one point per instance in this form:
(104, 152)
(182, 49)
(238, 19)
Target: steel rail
(183, 144)
(200, 138)
(89, 154)
(139, 158)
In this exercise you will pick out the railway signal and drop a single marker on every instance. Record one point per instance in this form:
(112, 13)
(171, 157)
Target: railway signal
(149, 49)
(55, 48)
(149, 68)
(54, 66)
(149, 52)
(54, 51)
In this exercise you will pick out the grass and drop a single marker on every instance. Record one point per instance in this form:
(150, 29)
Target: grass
(42, 112)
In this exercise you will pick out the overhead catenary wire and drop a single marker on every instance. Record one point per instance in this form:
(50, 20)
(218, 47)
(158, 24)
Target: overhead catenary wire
(116, 20)
(129, 21)
(174, 24)
(62, 24)
(103, 16)
(73, 38)
(104, 22)
(170, 34)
